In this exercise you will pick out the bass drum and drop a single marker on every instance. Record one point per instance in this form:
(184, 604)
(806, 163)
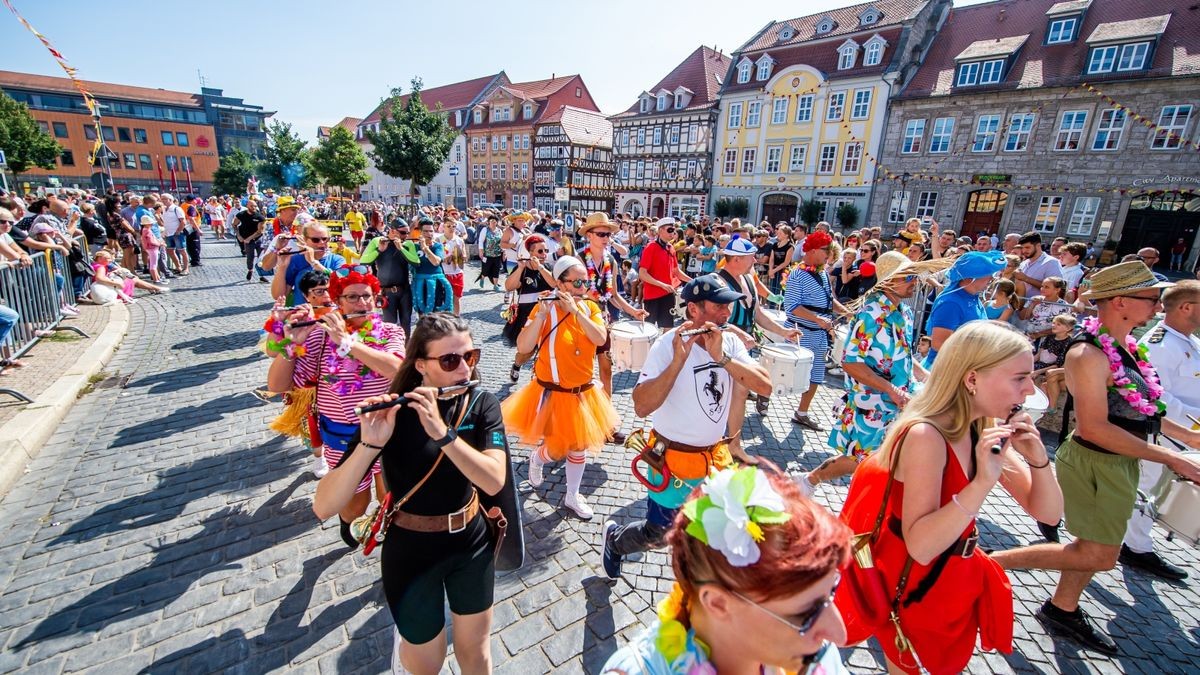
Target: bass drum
(1175, 504)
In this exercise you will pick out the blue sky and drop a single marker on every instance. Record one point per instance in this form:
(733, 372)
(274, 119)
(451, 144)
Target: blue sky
(317, 62)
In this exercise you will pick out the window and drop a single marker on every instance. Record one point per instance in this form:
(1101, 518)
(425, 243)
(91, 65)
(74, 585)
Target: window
(853, 159)
(847, 56)
(1119, 57)
(495, 144)
(926, 204)
(495, 172)
(524, 141)
(753, 113)
(744, 73)
(625, 170)
(1047, 214)
(735, 115)
(862, 105)
(693, 169)
(657, 136)
(1109, 129)
(144, 163)
(516, 201)
(693, 133)
(1172, 122)
(779, 109)
(644, 104)
(1062, 30)
(130, 161)
(1133, 57)
(67, 158)
(837, 105)
(123, 135)
(968, 74)
(674, 134)
(478, 119)
(943, 131)
(527, 111)
(774, 159)
(749, 155)
(730, 164)
(503, 172)
(168, 138)
(504, 143)
(60, 130)
(108, 133)
(662, 102)
(1070, 130)
(139, 136)
(914, 137)
(1083, 216)
(181, 139)
(641, 136)
(679, 100)
(986, 72)
(625, 138)
(89, 131)
(764, 69)
(641, 169)
(1020, 125)
(474, 145)
(986, 129)
(804, 108)
(991, 72)
(799, 153)
(828, 160)
(185, 164)
(874, 53)
(524, 170)
(654, 170)
(672, 170)
(898, 207)
(43, 127)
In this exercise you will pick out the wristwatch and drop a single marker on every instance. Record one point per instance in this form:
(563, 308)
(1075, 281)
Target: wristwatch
(442, 442)
(724, 360)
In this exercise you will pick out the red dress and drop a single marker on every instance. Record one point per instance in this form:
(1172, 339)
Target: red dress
(970, 596)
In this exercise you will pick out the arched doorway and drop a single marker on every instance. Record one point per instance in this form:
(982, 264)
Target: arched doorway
(1160, 221)
(779, 207)
(658, 208)
(633, 207)
(985, 209)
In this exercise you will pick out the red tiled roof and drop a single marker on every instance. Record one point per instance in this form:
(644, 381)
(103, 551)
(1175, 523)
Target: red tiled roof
(1041, 65)
(539, 88)
(585, 127)
(348, 123)
(450, 96)
(98, 89)
(846, 20)
(823, 56)
(700, 72)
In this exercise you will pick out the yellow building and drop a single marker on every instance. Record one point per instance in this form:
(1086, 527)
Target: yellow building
(804, 107)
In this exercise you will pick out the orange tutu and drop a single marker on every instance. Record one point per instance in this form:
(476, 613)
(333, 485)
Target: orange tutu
(562, 422)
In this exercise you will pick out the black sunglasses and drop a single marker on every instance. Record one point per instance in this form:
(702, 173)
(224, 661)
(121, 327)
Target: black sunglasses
(317, 240)
(450, 362)
(669, 230)
(603, 235)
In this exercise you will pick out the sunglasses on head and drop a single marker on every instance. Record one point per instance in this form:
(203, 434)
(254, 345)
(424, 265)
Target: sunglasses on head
(345, 271)
(450, 362)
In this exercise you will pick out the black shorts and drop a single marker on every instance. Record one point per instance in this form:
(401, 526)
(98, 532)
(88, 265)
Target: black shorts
(660, 311)
(491, 268)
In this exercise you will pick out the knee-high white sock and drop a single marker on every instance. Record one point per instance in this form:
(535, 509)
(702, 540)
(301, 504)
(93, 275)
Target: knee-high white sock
(576, 461)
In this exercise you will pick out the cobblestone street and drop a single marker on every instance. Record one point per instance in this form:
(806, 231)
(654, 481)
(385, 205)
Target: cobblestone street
(165, 529)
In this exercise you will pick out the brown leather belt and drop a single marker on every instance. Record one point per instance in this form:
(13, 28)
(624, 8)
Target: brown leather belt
(392, 289)
(450, 522)
(683, 447)
(566, 390)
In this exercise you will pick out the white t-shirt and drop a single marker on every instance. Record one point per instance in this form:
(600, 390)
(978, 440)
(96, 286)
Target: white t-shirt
(552, 248)
(449, 246)
(1073, 275)
(512, 236)
(696, 410)
(173, 220)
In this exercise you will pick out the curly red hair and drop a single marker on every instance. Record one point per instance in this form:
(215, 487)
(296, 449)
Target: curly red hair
(817, 240)
(338, 283)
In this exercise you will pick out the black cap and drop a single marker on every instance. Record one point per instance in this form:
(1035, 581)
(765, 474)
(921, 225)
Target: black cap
(710, 287)
(398, 223)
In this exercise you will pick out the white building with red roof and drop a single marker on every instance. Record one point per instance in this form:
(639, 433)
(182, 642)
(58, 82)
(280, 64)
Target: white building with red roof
(577, 144)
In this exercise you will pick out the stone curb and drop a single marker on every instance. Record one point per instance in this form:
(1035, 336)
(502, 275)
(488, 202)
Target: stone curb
(22, 438)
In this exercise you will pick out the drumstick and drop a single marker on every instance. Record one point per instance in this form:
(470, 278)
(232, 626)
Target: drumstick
(441, 391)
(997, 448)
(1193, 419)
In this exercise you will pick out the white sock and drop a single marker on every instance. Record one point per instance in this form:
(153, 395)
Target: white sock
(576, 461)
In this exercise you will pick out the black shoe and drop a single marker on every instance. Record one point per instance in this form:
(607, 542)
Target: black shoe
(1077, 626)
(249, 274)
(762, 404)
(610, 558)
(264, 280)
(1049, 532)
(514, 373)
(346, 535)
(618, 438)
(1151, 563)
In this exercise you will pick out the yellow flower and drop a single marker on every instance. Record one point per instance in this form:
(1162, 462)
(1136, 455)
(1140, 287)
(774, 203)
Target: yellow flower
(755, 530)
(670, 607)
(671, 640)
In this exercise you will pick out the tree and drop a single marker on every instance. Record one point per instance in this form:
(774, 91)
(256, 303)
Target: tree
(847, 216)
(413, 141)
(339, 160)
(810, 212)
(231, 176)
(732, 207)
(287, 162)
(24, 144)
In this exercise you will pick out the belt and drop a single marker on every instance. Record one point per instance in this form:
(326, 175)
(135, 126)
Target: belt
(963, 548)
(1091, 446)
(393, 289)
(566, 390)
(683, 447)
(450, 522)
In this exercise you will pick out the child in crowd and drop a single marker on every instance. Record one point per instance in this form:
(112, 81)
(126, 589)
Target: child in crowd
(633, 285)
(924, 344)
(1004, 301)
(1049, 354)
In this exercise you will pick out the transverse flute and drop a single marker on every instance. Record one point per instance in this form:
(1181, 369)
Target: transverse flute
(354, 315)
(452, 389)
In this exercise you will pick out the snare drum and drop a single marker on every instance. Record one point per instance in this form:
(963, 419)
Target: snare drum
(838, 348)
(631, 343)
(790, 367)
(1175, 504)
(778, 317)
(1036, 404)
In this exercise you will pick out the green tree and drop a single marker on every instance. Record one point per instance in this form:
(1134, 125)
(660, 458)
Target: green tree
(413, 141)
(24, 144)
(810, 212)
(287, 160)
(231, 176)
(339, 161)
(847, 216)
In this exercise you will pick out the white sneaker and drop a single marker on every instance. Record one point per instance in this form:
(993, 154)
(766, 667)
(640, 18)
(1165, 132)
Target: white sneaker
(579, 505)
(320, 466)
(69, 310)
(535, 466)
(806, 486)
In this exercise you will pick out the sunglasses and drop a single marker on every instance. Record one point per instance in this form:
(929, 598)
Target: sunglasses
(450, 362)
(806, 620)
(669, 230)
(603, 235)
(317, 240)
(345, 271)
(577, 283)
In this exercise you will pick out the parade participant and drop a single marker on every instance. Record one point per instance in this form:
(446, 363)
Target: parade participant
(286, 212)
(685, 390)
(440, 453)
(1118, 409)
(350, 354)
(1174, 351)
(490, 253)
(356, 224)
(431, 288)
(454, 260)
(216, 216)
(249, 224)
(510, 241)
(560, 413)
(393, 263)
(756, 567)
(532, 278)
(293, 256)
(659, 273)
(922, 493)
(962, 299)
(1036, 264)
(880, 368)
(810, 306)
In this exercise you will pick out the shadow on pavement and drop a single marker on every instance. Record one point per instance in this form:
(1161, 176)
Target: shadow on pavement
(186, 418)
(220, 343)
(226, 312)
(599, 638)
(192, 375)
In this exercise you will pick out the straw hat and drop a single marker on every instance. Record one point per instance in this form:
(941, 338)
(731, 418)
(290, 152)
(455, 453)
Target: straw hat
(286, 203)
(890, 264)
(597, 219)
(1122, 279)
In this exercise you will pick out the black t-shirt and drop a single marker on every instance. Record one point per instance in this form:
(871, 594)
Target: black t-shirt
(392, 267)
(247, 223)
(93, 231)
(780, 254)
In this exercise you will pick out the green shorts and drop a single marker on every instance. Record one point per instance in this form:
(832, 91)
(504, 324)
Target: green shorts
(1099, 491)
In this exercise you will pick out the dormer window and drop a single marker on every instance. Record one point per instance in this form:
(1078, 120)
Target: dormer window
(679, 100)
(478, 116)
(644, 104)
(1062, 30)
(764, 67)
(1119, 58)
(662, 102)
(825, 26)
(869, 17)
(980, 72)
(786, 33)
(847, 55)
(1124, 46)
(744, 71)
(527, 110)
(873, 54)
(458, 118)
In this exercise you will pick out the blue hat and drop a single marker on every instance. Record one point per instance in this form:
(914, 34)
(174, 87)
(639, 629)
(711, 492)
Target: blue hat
(976, 265)
(739, 247)
(710, 287)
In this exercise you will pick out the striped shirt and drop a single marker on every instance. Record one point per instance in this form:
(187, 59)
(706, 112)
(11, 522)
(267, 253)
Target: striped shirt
(319, 350)
(804, 288)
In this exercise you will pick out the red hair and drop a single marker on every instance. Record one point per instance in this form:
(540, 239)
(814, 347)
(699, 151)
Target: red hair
(817, 240)
(338, 283)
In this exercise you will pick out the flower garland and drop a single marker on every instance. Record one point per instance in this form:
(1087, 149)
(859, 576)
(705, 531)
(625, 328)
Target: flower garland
(346, 375)
(671, 640)
(1123, 386)
(600, 284)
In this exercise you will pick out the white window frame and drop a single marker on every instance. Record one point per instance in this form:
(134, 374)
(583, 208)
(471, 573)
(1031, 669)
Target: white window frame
(991, 72)
(926, 204)
(827, 160)
(693, 134)
(661, 102)
(656, 136)
(1071, 126)
(735, 115)
(764, 71)
(1108, 132)
(836, 108)
(987, 130)
(640, 170)
(527, 111)
(873, 54)
(1169, 133)
(914, 137)
(941, 135)
(852, 159)
(524, 141)
(1133, 57)
(779, 110)
(1083, 216)
(693, 169)
(798, 157)
(1102, 59)
(749, 160)
(898, 206)
(729, 166)
(524, 170)
(625, 138)
(644, 104)
(625, 170)
(674, 135)
(753, 114)
(504, 142)
(678, 100)
(861, 109)
(1048, 212)
(1062, 30)
(495, 172)
(744, 73)
(804, 108)
(503, 171)
(774, 158)
(847, 56)
(655, 169)
(968, 74)
(672, 170)
(478, 117)
(641, 137)
(1020, 129)
(495, 144)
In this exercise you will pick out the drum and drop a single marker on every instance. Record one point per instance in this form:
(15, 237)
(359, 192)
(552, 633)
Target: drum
(1036, 404)
(1175, 504)
(790, 367)
(778, 317)
(631, 343)
(837, 351)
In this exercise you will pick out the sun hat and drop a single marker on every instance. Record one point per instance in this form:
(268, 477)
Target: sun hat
(1121, 279)
(147, 220)
(286, 202)
(597, 219)
(888, 265)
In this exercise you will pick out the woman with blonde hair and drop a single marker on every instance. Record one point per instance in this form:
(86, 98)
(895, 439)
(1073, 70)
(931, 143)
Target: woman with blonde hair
(956, 439)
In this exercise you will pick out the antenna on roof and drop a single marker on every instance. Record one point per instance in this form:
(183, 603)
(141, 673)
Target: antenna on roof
(203, 81)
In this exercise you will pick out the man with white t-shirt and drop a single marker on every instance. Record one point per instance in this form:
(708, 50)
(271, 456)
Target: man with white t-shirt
(175, 231)
(686, 390)
(1037, 264)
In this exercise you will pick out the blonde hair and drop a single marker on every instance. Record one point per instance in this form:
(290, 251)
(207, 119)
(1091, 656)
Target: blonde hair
(974, 347)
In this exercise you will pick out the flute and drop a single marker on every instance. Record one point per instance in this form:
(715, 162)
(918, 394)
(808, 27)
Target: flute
(998, 448)
(698, 331)
(355, 315)
(453, 389)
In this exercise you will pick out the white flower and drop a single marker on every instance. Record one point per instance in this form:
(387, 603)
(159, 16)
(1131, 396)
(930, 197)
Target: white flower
(727, 524)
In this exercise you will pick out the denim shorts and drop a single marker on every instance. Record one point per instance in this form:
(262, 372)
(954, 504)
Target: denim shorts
(177, 241)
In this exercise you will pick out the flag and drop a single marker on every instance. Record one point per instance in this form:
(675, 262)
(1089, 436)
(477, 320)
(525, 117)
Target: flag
(161, 186)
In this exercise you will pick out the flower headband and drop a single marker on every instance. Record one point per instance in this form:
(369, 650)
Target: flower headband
(730, 515)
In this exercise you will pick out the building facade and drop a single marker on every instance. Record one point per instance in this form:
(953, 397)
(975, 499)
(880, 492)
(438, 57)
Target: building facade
(237, 123)
(1066, 118)
(500, 132)
(663, 144)
(804, 105)
(573, 146)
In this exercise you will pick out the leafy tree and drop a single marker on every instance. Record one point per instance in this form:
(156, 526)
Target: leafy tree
(339, 160)
(24, 144)
(732, 207)
(231, 176)
(847, 216)
(287, 161)
(413, 141)
(810, 212)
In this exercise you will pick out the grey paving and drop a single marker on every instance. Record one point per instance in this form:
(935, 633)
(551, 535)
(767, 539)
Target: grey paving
(165, 529)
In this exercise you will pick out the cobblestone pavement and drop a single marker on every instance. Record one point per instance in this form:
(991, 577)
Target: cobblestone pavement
(165, 529)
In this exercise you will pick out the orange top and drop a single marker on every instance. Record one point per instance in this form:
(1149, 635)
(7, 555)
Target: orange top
(567, 356)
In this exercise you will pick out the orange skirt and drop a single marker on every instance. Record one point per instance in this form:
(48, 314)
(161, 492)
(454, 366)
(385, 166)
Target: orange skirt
(562, 422)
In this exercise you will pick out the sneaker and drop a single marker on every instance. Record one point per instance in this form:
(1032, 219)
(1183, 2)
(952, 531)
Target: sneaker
(762, 404)
(610, 558)
(536, 462)
(264, 280)
(576, 503)
(1049, 532)
(514, 373)
(320, 466)
(1077, 626)
(619, 438)
(1151, 563)
(497, 288)
(805, 484)
(68, 310)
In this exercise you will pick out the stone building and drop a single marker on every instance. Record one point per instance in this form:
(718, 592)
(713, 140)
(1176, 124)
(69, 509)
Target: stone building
(1068, 118)
(577, 144)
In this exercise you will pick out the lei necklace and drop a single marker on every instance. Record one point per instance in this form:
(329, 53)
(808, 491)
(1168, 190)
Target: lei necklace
(1122, 385)
(672, 638)
(600, 284)
(346, 375)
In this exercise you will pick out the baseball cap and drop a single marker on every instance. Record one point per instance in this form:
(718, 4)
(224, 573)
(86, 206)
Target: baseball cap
(709, 287)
